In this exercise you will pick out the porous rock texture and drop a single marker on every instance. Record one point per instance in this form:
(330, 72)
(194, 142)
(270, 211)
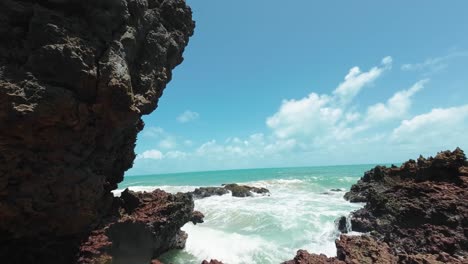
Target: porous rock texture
(143, 226)
(417, 212)
(350, 249)
(75, 78)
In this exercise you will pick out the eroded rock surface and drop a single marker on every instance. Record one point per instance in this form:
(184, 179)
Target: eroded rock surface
(415, 213)
(75, 78)
(144, 226)
(350, 250)
(418, 208)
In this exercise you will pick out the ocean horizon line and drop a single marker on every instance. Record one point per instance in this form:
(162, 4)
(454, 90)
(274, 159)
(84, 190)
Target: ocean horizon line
(262, 168)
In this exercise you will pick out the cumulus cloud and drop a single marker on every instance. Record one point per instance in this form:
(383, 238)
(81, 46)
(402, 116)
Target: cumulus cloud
(187, 116)
(320, 119)
(322, 129)
(153, 154)
(395, 107)
(311, 114)
(355, 80)
(440, 125)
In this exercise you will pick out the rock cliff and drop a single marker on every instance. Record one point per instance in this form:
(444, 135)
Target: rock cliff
(75, 78)
(415, 213)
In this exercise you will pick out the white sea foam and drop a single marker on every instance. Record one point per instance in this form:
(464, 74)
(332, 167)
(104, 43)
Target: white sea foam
(167, 188)
(298, 214)
(268, 229)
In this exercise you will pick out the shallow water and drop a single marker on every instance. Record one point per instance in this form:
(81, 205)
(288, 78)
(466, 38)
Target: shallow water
(298, 214)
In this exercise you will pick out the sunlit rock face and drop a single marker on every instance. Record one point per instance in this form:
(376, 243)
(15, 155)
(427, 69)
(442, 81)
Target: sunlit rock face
(415, 213)
(75, 78)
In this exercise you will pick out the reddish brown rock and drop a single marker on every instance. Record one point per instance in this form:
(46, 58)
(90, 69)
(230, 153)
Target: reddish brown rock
(304, 257)
(415, 213)
(350, 250)
(144, 226)
(419, 208)
(75, 78)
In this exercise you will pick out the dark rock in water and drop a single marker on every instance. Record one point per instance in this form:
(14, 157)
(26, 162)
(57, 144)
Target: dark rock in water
(75, 79)
(235, 189)
(204, 192)
(415, 213)
(336, 190)
(213, 261)
(197, 217)
(137, 235)
(244, 190)
(341, 224)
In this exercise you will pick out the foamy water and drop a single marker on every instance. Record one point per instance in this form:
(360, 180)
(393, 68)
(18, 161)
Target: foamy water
(299, 213)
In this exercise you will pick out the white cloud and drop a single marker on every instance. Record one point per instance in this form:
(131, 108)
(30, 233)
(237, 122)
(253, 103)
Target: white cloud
(151, 154)
(395, 107)
(355, 80)
(433, 64)
(310, 115)
(439, 126)
(319, 119)
(188, 116)
(176, 154)
(168, 143)
(322, 129)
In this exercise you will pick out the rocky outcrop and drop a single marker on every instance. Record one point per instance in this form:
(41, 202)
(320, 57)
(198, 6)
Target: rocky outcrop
(75, 78)
(204, 192)
(244, 190)
(213, 261)
(350, 250)
(416, 213)
(235, 189)
(143, 226)
(418, 208)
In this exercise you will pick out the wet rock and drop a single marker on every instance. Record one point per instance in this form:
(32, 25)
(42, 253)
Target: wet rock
(75, 79)
(418, 208)
(204, 192)
(244, 190)
(415, 213)
(235, 189)
(341, 224)
(213, 261)
(142, 233)
(197, 217)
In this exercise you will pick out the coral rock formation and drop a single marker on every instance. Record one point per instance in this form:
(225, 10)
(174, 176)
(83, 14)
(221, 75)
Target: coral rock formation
(75, 79)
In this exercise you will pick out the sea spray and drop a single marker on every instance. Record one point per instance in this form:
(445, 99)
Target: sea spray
(299, 213)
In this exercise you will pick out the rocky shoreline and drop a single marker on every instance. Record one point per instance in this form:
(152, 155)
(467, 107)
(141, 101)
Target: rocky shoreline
(76, 78)
(415, 213)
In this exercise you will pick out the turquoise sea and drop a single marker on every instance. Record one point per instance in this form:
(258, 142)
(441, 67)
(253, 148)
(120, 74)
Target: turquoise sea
(299, 213)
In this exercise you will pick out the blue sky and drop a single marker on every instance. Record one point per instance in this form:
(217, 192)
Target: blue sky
(299, 83)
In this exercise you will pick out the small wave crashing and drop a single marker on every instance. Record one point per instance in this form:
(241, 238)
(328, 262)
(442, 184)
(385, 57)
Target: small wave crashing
(298, 214)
